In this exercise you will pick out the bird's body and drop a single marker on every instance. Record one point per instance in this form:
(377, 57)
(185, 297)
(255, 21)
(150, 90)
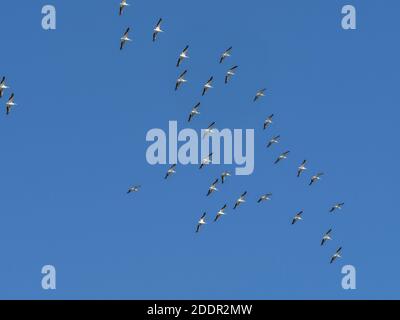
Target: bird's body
(134, 189)
(231, 72)
(181, 80)
(316, 178)
(157, 29)
(183, 56)
(220, 213)
(226, 54)
(268, 121)
(206, 161)
(209, 130)
(301, 168)
(265, 197)
(338, 206)
(213, 187)
(240, 200)
(195, 111)
(297, 217)
(208, 86)
(336, 255)
(224, 175)
(283, 156)
(326, 237)
(273, 141)
(201, 222)
(3, 86)
(125, 38)
(260, 94)
(122, 6)
(170, 171)
(10, 103)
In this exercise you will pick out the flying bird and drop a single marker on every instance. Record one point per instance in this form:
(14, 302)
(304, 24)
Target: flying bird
(230, 73)
(240, 200)
(208, 86)
(183, 56)
(220, 213)
(226, 54)
(3, 86)
(170, 171)
(273, 141)
(195, 111)
(260, 94)
(181, 80)
(212, 188)
(157, 29)
(326, 237)
(297, 217)
(134, 189)
(206, 161)
(201, 222)
(316, 178)
(338, 206)
(301, 168)
(268, 121)
(265, 197)
(336, 255)
(224, 175)
(122, 6)
(125, 38)
(209, 130)
(283, 156)
(10, 103)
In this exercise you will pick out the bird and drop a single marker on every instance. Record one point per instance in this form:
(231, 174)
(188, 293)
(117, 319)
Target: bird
(224, 175)
(268, 121)
(195, 111)
(10, 103)
(201, 222)
(220, 213)
(170, 171)
(3, 86)
(157, 29)
(273, 141)
(338, 206)
(265, 197)
(260, 94)
(125, 38)
(122, 6)
(230, 73)
(212, 188)
(282, 157)
(181, 80)
(209, 130)
(206, 161)
(297, 217)
(134, 189)
(301, 168)
(183, 56)
(326, 237)
(336, 255)
(240, 200)
(207, 86)
(316, 178)
(226, 54)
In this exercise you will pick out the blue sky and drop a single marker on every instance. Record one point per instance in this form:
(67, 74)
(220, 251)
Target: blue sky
(76, 142)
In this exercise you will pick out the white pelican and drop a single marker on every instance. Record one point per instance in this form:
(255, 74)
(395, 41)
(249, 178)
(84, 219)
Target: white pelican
(283, 156)
(265, 197)
(206, 161)
(212, 188)
(180, 80)
(273, 141)
(157, 29)
(183, 56)
(3, 86)
(297, 217)
(170, 171)
(301, 168)
(268, 121)
(224, 175)
(201, 222)
(240, 200)
(326, 237)
(260, 94)
(195, 111)
(134, 189)
(207, 86)
(316, 178)
(125, 38)
(338, 206)
(220, 213)
(209, 130)
(230, 73)
(336, 255)
(10, 103)
(226, 54)
(122, 6)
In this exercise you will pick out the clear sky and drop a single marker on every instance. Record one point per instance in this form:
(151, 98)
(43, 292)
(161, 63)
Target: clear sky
(76, 142)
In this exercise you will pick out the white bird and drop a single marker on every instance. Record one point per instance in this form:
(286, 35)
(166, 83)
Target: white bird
(273, 141)
(297, 217)
(170, 171)
(181, 80)
(209, 130)
(220, 213)
(3, 86)
(122, 6)
(265, 197)
(183, 56)
(212, 188)
(316, 178)
(240, 200)
(268, 121)
(301, 168)
(207, 86)
(336, 255)
(230, 73)
(10, 103)
(125, 38)
(226, 54)
(201, 222)
(206, 161)
(338, 206)
(157, 29)
(134, 189)
(195, 111)
(260, 94)
(283, 156)
(326, 237)
(224, 175)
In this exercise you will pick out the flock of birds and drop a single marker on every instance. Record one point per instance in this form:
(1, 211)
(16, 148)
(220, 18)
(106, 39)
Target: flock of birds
(181, 80)
(10, 102)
